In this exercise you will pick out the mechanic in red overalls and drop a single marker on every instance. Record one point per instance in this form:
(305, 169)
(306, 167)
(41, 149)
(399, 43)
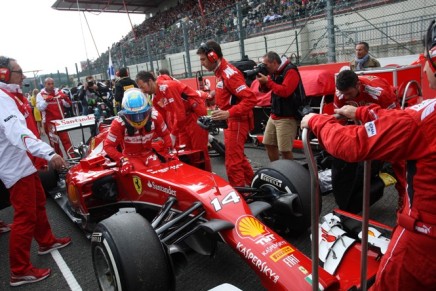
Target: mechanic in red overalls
(134, 130)
(397, 135)
(355, 90)
(235, 102)
(20, 177)
(51, 101)
(185, 106)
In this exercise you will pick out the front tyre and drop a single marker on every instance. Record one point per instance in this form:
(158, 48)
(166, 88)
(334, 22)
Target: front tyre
(289, 183)
(128, 255)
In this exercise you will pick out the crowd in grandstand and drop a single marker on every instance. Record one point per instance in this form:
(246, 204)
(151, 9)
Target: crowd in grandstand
(218, 20)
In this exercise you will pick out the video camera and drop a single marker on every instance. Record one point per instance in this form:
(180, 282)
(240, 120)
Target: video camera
(260, 68)
(206, 122)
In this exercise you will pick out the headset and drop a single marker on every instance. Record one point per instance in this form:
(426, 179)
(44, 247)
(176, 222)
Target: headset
(430, 46)
(5, 72)
(210, 53)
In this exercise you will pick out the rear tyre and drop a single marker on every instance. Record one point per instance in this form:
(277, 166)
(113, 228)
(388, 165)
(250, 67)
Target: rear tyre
(291, 207)
(128, 255)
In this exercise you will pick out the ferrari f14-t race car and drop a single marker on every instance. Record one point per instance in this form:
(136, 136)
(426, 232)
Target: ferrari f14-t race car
(144, 225)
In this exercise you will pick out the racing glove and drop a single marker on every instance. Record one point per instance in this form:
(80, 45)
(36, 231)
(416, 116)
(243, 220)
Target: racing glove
(125, 166)
(171, 155)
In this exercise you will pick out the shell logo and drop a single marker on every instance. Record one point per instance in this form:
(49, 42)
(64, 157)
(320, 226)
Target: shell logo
(248, 226)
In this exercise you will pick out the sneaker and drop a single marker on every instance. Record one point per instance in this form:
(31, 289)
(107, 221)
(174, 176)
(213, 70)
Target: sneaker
(32, 276)
(58, 244)
(4, 227)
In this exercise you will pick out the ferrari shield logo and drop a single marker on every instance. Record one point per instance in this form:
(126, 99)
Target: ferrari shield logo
(138, 184)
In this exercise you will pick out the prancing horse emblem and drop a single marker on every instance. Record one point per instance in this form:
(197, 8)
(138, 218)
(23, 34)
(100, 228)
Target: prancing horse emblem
(138, 184)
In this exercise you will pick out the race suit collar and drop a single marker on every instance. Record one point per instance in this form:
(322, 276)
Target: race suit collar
(13, 88)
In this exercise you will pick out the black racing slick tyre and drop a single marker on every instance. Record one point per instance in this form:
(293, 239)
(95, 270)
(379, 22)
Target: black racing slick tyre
(289, 183)
(128, 255)
(49, 179)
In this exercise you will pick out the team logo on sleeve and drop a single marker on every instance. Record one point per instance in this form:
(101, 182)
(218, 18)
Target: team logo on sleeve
(371, 130)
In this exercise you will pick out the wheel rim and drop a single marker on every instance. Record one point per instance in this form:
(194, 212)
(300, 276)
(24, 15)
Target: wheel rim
(103, 270)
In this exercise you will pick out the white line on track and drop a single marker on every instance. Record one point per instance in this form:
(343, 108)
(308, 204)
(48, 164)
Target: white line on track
(69, 277)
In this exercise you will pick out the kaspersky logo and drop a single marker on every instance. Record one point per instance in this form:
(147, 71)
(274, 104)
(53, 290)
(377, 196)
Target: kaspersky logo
(248, 227)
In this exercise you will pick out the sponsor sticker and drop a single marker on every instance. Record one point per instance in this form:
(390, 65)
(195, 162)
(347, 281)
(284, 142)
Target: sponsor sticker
(271, 180)
(257, 262)
(166, 190)
(291, 261)
(248, 227)
(96, 237)
(9, 118)
(281, 253)
(240, 88)
(371, 130)
(229, 72)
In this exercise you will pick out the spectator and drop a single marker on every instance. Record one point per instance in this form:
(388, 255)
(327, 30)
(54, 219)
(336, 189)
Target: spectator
(51, 102)
(136, 121)
(36, 112)
(89, 95)
(185, 106)
(124, 83)
(285, 83)
(363, 60)
(20, 177)
(235, 102)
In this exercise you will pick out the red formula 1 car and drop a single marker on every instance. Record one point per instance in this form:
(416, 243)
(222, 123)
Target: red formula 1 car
(143, 223)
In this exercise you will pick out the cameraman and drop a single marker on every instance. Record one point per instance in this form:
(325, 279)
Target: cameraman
(89, 94)
(282, 78)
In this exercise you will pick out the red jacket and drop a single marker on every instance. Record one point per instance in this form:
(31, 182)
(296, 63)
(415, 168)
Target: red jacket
(285, 89)
(52, 104)
(373, 90)
(140, 144)
(180, 100)
(391, 135)
(231, 83)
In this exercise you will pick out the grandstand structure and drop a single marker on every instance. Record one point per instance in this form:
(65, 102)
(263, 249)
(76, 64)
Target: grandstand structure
(309, 31)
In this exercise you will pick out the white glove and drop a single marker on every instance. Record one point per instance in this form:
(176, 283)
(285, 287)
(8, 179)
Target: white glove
(173, 139)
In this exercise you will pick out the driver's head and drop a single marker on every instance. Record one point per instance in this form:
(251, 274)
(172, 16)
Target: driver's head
(347, 84)
(136, 107)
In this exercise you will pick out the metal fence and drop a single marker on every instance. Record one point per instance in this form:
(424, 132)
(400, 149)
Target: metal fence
(321, 31)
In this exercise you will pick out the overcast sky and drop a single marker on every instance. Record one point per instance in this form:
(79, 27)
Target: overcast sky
(42, 38)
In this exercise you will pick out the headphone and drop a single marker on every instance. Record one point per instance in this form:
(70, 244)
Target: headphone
(431, 46)
(5, 72)
(210, 53)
